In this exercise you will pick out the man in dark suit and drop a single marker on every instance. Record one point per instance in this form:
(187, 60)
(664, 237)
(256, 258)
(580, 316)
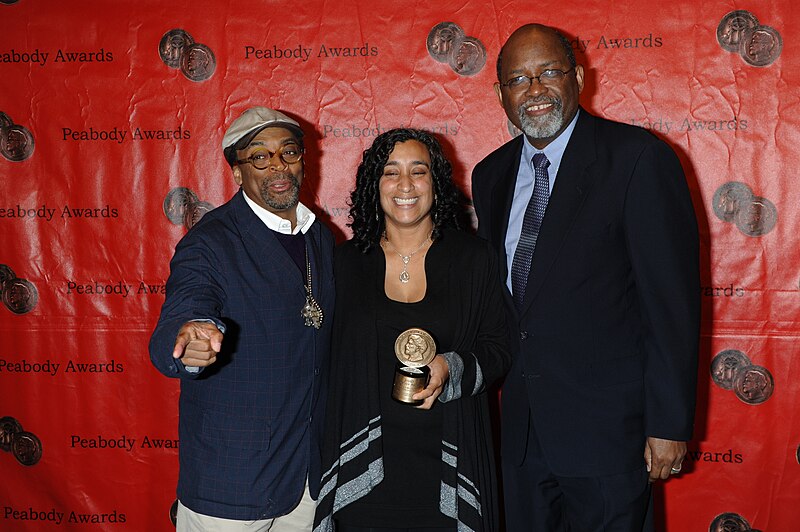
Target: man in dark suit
(246, 328)
(594, 224)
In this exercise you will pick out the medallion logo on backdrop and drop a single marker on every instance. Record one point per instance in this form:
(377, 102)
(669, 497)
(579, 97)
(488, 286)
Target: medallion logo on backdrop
(182, 207)
(732, 369)
(730, 522)
(740, 32)
(448, 43)
(177, 49)
(736, 203)
(16, 141)
(25, 446)
(20, 296)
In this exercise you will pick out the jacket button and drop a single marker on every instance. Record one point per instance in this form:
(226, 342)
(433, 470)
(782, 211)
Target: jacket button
(523, 335)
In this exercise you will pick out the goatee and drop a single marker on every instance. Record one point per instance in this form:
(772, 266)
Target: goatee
(284, 200)
(542, 127)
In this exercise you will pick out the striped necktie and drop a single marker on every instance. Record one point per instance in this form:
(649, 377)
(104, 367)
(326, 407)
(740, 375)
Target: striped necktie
(531, 222)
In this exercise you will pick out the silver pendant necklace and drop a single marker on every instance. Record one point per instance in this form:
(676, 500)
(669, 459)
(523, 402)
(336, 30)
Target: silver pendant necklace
(312, 312)
(404, 275)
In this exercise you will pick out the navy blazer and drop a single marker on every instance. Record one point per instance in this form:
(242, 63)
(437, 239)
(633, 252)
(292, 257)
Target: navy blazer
(250, 424)
(607, 336)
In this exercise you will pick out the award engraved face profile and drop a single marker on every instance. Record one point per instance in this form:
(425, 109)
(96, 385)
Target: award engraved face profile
(761, 46)
(757, 217)
(414, 349)
(753, 385)
(469, 57)
(198, 62)
(20, 295)
(16, 142)
(27, 448)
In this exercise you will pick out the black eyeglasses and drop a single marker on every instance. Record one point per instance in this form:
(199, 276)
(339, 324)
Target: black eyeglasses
(551, 76)
(260, 160)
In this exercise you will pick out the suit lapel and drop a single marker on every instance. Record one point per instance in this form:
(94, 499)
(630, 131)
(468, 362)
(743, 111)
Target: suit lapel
(263, 244)
(571, 187)
(502, 196)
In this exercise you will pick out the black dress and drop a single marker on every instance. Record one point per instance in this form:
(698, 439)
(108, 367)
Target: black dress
(408, 496)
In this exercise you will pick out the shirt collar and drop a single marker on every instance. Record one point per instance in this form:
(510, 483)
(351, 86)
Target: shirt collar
(305, 218)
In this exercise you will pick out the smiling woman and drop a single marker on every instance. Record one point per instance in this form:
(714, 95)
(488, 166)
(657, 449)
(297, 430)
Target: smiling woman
(406, 188)
(368, 212)
(406, 269)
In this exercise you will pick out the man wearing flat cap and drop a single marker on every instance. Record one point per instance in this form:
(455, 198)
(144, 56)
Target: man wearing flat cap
(246, 328)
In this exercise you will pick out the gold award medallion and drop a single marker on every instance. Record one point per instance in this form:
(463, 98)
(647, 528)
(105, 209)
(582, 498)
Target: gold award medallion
(415, 349)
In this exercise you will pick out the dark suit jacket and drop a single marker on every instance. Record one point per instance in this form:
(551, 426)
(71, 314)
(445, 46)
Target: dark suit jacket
(250, 424)
(607, 336)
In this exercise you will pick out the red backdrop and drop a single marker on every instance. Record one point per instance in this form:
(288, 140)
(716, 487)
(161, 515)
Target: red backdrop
(97, 128)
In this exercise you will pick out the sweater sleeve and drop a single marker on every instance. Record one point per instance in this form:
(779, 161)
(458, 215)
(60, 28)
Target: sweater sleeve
(485, 357)
(193, 293)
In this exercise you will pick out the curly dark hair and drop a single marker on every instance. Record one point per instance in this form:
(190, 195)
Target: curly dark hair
(365, 203)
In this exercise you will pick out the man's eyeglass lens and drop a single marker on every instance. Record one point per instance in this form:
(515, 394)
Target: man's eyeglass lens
(260, 159)
(547, 77)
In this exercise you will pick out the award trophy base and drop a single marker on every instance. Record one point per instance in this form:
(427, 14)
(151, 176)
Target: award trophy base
(407, 382)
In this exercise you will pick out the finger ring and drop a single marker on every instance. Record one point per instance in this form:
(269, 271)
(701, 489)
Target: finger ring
(676, 470)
